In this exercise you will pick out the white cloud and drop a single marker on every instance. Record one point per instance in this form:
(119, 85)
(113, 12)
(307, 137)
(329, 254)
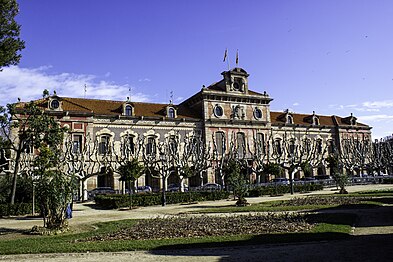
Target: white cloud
(144, 80)
(295, 104)
(376, 118)
(28, 84)
(378, 104)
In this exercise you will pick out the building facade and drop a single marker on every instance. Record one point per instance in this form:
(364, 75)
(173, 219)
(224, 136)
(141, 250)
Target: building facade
(223, 114)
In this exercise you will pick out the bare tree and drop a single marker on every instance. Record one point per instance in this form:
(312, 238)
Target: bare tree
(82, 160)
(355, 152)
(294, 151)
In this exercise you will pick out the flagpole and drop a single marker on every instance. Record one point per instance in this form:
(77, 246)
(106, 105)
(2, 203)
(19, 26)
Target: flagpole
(237, 57)
(226, 57)
(228, 64)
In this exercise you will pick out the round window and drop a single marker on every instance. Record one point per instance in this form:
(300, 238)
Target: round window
(218, 111)
(236, 86)
(258, 113)
(54, 104)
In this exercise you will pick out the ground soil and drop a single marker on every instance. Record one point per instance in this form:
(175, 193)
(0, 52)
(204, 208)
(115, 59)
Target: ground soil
(372, 238)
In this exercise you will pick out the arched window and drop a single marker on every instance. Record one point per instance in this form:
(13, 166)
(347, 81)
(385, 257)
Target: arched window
(171, 113)
(315, 121)
(128, 110)
(55, 104)
(289, 119)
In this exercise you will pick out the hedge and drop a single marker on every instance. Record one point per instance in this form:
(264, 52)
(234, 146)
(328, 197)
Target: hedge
(118, 201)
(282, 189)
(17, 209)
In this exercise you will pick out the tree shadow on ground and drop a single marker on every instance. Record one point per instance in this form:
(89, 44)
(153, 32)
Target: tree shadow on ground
(334, 247)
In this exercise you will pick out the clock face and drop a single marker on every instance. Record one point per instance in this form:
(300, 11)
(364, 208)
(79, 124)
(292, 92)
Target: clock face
(236, 86)
(55, 104)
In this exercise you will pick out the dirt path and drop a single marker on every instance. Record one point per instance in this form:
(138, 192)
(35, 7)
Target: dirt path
(372, 238)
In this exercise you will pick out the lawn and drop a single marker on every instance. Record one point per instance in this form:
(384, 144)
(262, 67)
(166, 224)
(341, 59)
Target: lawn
(333, 226)
(201, 230)
(305, 204)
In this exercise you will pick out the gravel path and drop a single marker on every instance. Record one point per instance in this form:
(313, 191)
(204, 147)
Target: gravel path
(372, 238)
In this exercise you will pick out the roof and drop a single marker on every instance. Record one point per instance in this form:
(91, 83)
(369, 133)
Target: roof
(110, 107)
(278, 118)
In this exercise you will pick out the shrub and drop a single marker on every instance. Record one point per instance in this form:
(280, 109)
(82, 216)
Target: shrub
(388, 180)
(17, 209)
(118, 201)
(282, 189)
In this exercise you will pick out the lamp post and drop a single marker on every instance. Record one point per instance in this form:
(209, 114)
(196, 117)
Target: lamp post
(163, 196)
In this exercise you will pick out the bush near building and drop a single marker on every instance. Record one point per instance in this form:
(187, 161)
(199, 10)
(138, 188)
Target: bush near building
(119, 201)
(282, 189)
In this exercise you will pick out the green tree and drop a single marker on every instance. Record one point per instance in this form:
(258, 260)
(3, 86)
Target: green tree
(10, 43)
(54, 188)
(340, 179)
(24, 127)
(236, 175)
(129, 172)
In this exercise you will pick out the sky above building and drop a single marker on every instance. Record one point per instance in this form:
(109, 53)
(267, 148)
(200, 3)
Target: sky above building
(334, 57)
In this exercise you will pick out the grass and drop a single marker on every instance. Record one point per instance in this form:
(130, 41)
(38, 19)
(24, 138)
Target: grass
(334, 226)
(329, 226)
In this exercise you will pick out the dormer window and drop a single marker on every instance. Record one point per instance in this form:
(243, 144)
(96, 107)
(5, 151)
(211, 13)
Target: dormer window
(55, 104)
(315, 121)
(128, 110)
(171, 112)
(289, 120)
(353, 121)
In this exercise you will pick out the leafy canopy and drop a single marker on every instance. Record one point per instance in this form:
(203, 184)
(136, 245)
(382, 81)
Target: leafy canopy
(10, 43)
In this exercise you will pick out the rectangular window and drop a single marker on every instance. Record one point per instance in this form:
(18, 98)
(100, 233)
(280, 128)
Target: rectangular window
(27, 147)
(151, 145)
(277, 147)
(220, 143)
(128, 145)
(103, 147)
(77, 144)
(260, 144)
(292, 147)
(241, 145)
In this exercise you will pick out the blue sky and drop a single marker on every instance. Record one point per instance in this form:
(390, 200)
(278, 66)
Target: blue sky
(333, 56)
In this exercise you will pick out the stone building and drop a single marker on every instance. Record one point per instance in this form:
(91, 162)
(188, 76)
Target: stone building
(221, 113)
